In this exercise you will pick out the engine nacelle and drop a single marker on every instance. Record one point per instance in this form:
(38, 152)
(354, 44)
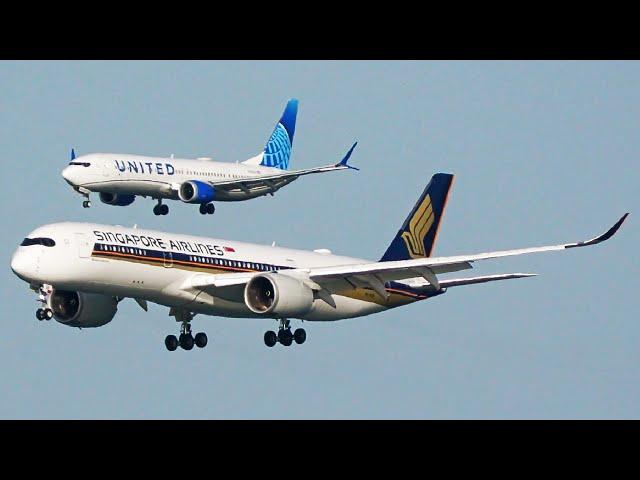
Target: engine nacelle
(116, 199)
(78, 309)
(195, 191)
(277, 296)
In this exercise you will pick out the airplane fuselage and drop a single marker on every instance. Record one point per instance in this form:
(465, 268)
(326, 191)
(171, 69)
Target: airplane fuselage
(160, 177)
(160, 267)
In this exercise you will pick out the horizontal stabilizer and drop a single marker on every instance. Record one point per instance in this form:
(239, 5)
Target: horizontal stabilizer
(487, 278)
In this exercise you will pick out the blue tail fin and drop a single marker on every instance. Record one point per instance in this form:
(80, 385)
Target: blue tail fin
(419, 231)
(278, 149)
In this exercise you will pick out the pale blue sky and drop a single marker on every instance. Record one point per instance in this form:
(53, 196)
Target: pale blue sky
(544, 152)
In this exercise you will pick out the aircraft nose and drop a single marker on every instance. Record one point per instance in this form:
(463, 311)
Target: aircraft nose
(21, 265)
(68, 175)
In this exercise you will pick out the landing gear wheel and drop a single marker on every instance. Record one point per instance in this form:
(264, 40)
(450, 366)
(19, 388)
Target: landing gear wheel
(285, 337)
(171, 342)
(40, 314)
(300, 336)
(207, 208)
(270, 338)
(186, 341)
(86, 204)
(161, 209)
(48, 314)
(201, 340)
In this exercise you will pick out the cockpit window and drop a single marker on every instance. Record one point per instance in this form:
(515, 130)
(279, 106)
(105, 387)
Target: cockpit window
(84, 164)
(47, 242)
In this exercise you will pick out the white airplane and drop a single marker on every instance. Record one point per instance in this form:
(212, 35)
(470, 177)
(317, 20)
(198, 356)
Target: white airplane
(82, 270)
(119, 178)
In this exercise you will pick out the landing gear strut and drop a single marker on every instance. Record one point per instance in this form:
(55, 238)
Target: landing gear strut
(44, 312)
(160, 208)
(284, 335)
(87, 201)
(186, 340)
(207, 208)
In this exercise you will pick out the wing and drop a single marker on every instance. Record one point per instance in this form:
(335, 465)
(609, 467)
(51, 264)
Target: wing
(375, 275)
(428, 268)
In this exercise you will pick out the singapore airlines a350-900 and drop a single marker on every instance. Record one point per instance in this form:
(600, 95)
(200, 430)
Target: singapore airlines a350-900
(82, 270)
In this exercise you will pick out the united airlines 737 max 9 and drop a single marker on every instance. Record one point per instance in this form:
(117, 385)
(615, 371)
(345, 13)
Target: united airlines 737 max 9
(119, 178)
(82, 271)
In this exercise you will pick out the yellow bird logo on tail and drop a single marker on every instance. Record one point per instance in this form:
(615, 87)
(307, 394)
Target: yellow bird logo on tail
(419, 226)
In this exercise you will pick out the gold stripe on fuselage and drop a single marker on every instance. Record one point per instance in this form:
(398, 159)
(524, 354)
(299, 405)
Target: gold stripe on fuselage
(396, 297)
(181, 264)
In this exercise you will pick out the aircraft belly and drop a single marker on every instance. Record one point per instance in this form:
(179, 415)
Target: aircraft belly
(346, 307)
(222, 308)
(135, 187)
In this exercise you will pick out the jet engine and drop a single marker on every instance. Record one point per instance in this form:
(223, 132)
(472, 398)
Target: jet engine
(116, 199)
(195, 191)
(78, 309)
(277, 296)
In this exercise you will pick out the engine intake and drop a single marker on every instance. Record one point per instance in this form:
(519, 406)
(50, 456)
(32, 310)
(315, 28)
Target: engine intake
(277, 295)
(116, 199)
(78, 309)
(195, 191)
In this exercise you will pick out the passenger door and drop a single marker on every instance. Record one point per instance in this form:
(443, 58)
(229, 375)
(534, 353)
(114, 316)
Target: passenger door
(168, 259)
(83, 245)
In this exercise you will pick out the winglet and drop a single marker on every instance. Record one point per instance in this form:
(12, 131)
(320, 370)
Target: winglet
(601, 238)
(73, 154)
(344, 161)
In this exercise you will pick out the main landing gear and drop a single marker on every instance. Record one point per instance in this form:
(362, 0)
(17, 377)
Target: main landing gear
(186, 340)
(284, 335)
(207, 208)
(44, 312)
(160, 208)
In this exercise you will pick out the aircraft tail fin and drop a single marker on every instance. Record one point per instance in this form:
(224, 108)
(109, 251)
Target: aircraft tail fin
(277, 151)
(417, 236)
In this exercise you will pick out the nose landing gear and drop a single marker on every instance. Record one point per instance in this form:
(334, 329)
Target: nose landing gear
(284, 335)
(44, 312)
